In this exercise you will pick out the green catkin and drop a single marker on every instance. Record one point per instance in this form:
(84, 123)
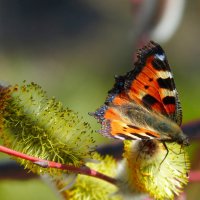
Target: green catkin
(35, 125)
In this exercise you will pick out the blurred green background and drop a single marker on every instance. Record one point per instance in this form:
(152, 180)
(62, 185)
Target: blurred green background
(73, 49)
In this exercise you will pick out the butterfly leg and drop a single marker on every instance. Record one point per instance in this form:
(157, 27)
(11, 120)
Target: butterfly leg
(165, 146)
(177, 153)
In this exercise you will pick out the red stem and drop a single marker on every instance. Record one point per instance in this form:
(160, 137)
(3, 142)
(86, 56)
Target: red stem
(50, 164)
(194, 176)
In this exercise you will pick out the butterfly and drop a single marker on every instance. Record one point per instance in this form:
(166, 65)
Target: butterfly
(144, 103)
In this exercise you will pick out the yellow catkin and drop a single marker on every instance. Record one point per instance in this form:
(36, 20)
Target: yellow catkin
(149, 172)
(33, 124)
(86, 187)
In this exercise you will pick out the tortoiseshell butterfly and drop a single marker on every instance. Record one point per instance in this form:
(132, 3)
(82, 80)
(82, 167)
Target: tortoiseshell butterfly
(144, 103)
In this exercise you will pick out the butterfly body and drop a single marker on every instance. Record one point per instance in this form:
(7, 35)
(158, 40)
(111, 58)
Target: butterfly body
(144, 103)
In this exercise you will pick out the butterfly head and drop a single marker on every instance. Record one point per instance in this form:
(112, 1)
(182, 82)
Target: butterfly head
(183, 140)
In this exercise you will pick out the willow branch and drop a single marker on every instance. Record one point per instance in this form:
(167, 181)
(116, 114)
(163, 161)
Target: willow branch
(50, 164)
(194, 176)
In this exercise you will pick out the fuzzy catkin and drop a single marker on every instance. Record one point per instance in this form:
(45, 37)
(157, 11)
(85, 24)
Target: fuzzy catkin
(33, 124)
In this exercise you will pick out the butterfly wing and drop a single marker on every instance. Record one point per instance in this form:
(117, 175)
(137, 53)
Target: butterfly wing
(116, 122)
(149, 85)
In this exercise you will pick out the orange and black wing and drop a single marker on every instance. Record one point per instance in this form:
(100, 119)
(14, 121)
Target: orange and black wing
(150, 85)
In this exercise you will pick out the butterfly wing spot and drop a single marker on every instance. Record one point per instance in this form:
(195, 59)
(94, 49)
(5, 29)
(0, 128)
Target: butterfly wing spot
(160, 56)
(169, 100)
(148, 99)
(160, 65)
(150, 79)
(152, 103)
(151, 135)
(121, 137)
(166, 83)
(164, 74)
(140, 136)
(134, 127)
(165, 92)
(124, 136)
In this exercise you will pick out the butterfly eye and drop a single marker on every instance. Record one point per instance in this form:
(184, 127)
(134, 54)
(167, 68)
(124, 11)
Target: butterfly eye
(185, 141)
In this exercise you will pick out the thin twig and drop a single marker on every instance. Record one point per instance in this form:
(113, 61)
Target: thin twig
(50, 164)
(194, 176)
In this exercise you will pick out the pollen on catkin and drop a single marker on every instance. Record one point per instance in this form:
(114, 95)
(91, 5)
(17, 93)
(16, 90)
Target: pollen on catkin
(86, 187)
(150, 171)
(33, 124)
